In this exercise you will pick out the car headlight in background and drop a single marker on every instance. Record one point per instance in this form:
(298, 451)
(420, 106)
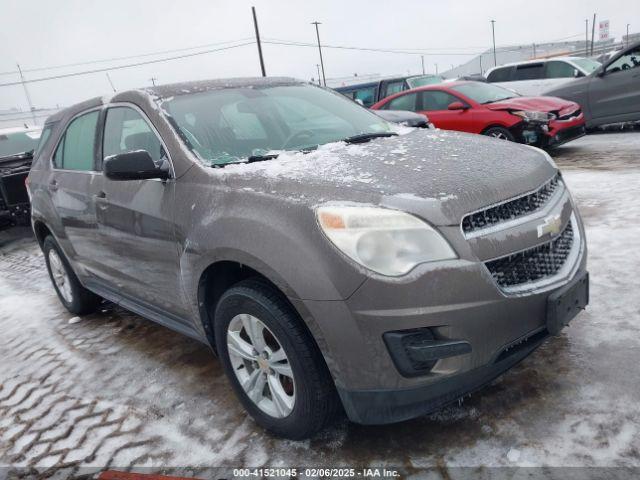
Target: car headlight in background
(389, 242)
(533, 116)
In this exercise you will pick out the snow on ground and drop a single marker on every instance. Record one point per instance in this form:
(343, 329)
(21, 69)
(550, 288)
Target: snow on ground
(114, 389)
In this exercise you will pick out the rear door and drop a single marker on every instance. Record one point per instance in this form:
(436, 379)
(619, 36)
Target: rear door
(72, 183)
(615, 95)
(435, 105)
(135, 217)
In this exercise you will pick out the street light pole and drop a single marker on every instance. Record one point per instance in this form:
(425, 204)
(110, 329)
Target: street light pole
(255, 26)
(436, 68)
(318, 68)
(493, 34)
(586, 37)
(422, 58)
(593, 32)
(324, 80)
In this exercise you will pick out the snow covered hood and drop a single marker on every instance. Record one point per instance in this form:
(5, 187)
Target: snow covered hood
(439, 175)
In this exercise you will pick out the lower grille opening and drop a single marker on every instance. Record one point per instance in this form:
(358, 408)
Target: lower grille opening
(533, 264)
(521, 345)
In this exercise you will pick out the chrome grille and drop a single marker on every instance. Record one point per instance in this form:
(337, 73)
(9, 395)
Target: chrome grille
(511, 209)
(533, 264)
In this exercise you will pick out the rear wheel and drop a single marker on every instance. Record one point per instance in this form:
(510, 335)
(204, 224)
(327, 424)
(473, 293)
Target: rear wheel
(272, 362)
(72, 294)
(500, 133)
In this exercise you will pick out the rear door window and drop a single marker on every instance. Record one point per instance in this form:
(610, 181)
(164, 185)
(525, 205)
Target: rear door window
(394, 87)
(76, 149)
(529, 71)
(403, 102)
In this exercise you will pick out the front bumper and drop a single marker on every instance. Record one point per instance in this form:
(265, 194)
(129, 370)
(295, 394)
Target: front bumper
(552, 134)
(474, 324)
(371, 407)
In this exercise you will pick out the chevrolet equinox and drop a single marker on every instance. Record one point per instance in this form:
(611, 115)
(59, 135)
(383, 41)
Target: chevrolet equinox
(333, 261)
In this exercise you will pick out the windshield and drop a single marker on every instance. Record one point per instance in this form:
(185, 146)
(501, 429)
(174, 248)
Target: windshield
(424, 80)
(484, 92)
(18, 142)
(586, 64)
(232, 124)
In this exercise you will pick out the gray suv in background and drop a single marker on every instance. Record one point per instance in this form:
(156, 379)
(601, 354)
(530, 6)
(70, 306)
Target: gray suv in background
(334, 262)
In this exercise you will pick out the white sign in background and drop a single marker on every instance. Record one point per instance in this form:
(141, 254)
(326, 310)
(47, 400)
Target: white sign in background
(604, 30)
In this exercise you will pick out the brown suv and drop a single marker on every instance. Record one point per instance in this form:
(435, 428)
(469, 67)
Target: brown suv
(331, 260)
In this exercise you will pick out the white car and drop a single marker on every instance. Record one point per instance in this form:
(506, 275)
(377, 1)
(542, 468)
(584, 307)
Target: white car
(534, 77)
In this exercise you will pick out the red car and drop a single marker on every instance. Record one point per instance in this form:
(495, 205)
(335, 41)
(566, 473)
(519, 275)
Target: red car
(487, 109)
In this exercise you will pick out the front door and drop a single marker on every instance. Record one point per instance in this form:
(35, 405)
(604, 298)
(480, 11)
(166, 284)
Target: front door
(615, 95)
(435, 105)
(135, 218)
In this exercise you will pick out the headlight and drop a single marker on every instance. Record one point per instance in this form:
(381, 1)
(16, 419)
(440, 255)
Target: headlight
(531, 116)
(386, 241)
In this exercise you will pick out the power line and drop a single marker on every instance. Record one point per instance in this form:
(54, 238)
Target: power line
(344, 47)
(119, 67)
(127, 57)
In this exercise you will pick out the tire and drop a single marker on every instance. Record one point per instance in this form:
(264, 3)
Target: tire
(315, 400)
(500, 133)
(75, 298)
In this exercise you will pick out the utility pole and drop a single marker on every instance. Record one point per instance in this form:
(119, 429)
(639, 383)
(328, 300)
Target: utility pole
(153, 81)
(628, 35)
(593, 33)
(586, 37)
(436, 68)
(255, 25)
(110, 82)
(26, 94)
(481, 70)
(324, 80)
(422, 58)
(534, 50)
(318, 68)
(493, 33)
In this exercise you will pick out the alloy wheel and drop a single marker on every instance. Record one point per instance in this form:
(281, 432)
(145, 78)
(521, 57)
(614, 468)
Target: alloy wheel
(499, 135)
(60, 276)
(261, 365)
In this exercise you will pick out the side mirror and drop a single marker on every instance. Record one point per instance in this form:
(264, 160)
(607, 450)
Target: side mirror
(135, 165)
(576, 73)
(457, 106)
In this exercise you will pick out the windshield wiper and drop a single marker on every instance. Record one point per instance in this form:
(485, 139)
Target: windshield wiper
(250, 159)
(365, 137)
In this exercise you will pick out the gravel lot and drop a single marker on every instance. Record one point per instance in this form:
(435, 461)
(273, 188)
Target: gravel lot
(114, 389)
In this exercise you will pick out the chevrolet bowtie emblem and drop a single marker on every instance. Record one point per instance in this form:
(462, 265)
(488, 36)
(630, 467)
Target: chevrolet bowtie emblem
(550, 225)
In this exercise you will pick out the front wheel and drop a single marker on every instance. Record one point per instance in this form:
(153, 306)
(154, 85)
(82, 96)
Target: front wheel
(272, 362)
(500, 133)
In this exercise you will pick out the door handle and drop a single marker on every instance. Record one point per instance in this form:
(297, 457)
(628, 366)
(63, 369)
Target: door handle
(53, 185)
(101, 194)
